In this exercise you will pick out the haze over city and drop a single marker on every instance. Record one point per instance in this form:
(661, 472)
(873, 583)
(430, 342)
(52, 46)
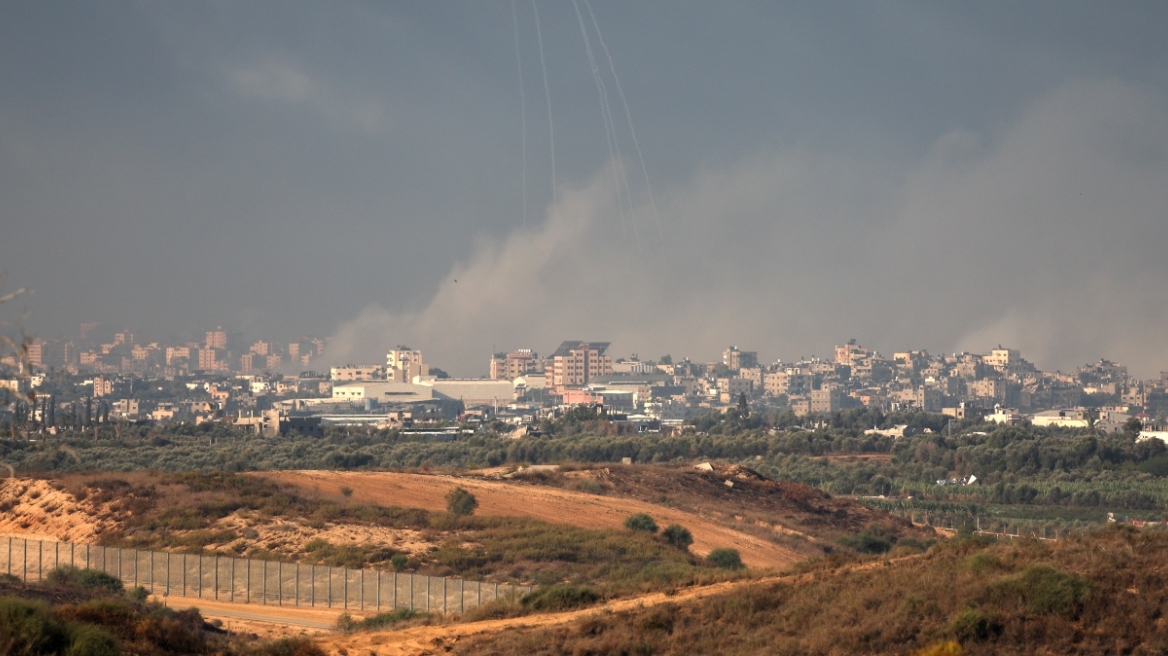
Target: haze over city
(784, 178)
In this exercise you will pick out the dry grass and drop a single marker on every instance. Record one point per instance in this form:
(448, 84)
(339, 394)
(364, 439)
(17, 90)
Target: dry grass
(1096, 595)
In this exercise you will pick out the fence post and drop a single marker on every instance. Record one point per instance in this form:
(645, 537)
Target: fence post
(361, 594)
(377, 599)
(411, 592)
(72, 560)
(247, 586)
(25, 577)
(461, 596)
(87, 556)
(394, 591)
(166, 588)
(40, 560)
(427, 594)
(296, 584)
(200, 557)
(280, 583)
(264, 584)
(232, 583)
(329, 581)
(9, 555)
(56, 555)
(480, 587)
(215, 578)
(444, 595)
(312, 587)
(121, 557)
(135, 568)
(345, 585)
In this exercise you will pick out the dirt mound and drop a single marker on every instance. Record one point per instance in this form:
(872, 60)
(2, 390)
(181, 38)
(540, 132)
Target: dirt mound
(34, 509)
(804, 518)
(549, 504)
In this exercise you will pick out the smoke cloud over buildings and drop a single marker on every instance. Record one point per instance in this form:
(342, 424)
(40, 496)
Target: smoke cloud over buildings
(1034, 237)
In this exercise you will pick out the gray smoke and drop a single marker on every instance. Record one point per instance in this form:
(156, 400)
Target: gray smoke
(1046, 236)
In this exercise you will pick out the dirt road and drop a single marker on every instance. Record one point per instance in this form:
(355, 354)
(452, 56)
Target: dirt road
(548, 504)
(420, 640)
(267, 621)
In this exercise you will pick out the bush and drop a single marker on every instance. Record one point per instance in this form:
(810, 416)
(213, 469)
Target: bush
(86, 579)
(27, 628)
(872, 540)
(678, 536)
(1046, 591)
(89, 640)
(380, 621)
(298, 646)
(461, 503)
(725, 558)
(346, 491)
(972, 625)
(399, 561)
(560, 597)
(641, 522)
(138, 594)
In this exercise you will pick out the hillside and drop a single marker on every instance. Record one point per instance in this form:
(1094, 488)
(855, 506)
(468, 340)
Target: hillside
(1101, 594)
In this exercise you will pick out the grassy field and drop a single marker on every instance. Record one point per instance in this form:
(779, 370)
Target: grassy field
(1095, 595)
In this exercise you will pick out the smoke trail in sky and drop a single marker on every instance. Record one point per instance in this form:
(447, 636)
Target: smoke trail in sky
(618, 174)
(522, 108)
(547, 91)
(628, 115)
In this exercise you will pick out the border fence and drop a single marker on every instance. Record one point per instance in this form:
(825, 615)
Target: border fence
(254, 581)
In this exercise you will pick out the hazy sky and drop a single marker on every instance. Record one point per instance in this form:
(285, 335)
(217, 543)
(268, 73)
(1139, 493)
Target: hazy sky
(946, 176)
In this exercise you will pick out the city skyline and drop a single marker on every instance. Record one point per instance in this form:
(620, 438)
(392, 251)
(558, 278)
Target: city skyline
(947, 177)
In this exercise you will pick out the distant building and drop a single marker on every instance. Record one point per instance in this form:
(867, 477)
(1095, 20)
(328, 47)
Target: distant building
(216, 339)
(515, 364)
(351, 372)
(403, 364)
(826, 399)
(735, 359)
(575, 364)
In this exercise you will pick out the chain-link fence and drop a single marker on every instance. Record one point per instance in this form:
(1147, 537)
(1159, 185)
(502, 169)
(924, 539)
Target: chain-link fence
(252, 581)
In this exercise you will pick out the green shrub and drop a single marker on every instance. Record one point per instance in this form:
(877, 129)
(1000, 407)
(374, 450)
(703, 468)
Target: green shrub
(380, 621)
(399, 561)
(26, 627)
(138, 594)
(872, 540)
(560, 597)
(86, 579)
(641, 522)
(725, 558)
(346, 491)
(678, 536)
(984, 561)
(461, 503)
(297, 646)
(972, 625)
(1045, 590)
(89, 640)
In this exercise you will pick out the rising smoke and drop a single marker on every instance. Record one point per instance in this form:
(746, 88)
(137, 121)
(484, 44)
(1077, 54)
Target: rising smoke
(1047, 236)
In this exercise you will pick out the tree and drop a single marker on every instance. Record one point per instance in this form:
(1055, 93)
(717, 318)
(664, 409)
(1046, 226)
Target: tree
(725, 558)
(743, 406)
(1132, 427)
(678, 536)
(460, 502)
(666, 359)
(641, 522)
